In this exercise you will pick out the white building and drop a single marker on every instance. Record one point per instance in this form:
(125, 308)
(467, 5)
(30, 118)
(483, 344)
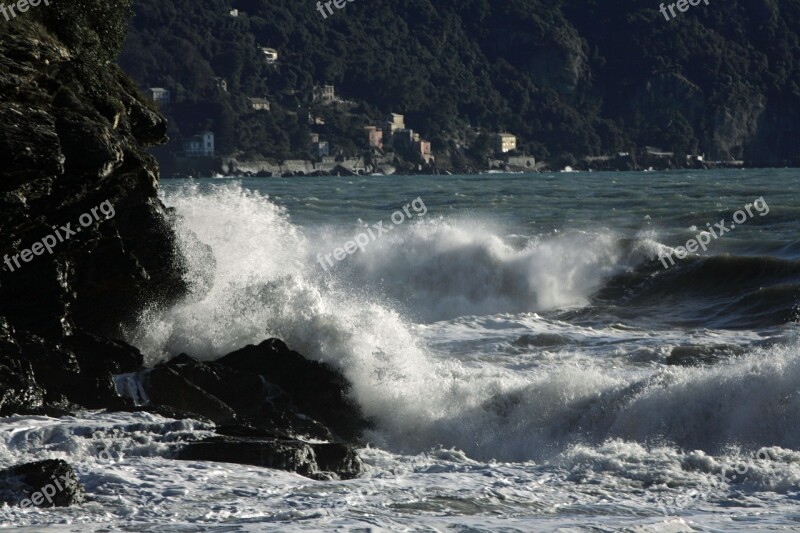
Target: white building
(259, 104)
(159, 95)
(395, 122)
(201, 145)
(270, 55)
(504, 143)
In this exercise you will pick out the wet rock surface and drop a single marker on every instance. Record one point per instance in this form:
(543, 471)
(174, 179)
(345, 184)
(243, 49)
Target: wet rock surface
(318, 461)
(74, 131)
(264, 398)
(50, 483)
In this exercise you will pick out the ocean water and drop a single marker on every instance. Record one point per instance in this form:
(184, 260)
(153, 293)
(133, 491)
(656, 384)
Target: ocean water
(508, 334)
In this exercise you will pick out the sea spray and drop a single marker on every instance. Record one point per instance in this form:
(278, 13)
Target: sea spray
(263, 283)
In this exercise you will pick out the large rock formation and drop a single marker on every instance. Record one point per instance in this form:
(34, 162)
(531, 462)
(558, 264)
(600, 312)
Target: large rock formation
(85, 244)
(73, 134)
(267, 401)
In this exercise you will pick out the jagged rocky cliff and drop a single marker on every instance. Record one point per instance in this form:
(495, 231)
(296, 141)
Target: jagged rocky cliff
(86, 243)
(73, 134)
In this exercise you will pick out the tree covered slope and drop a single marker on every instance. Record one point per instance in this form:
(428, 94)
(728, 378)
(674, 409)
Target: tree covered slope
(585, 77)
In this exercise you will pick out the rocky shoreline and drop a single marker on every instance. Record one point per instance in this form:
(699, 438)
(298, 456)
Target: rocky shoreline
(74, 131)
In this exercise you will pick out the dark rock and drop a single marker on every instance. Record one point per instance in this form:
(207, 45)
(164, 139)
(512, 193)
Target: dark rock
(50, 483)
(250, 431)
(258, 402)
(60, 377)
(19, 391)
(74, 131)
(112, 356)
(73, 134)
(267, 388)
(280, 414)
(317, 389)
(337, 458)
(317, 461)
(164, 386)
(243, 392)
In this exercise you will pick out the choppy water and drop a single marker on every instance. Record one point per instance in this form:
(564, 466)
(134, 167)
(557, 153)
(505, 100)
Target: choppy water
(510, 340)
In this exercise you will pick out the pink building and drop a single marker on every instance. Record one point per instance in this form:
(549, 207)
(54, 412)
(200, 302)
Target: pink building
(375, 136)
(424, 149)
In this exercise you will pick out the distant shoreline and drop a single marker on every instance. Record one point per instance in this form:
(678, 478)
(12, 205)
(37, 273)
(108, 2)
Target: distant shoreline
(481, 173)
(484, 173)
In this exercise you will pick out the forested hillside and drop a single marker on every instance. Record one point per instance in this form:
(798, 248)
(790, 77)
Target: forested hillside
(569, 77)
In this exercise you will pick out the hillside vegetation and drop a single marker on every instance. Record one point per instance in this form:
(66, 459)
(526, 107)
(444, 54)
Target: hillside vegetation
(569, 77)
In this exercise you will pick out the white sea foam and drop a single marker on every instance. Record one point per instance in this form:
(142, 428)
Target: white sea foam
(601, 434)
(265, 282)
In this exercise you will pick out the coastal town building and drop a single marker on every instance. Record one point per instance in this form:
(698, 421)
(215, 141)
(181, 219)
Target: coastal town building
(315, 120)
(406, 139)
(259, 104)
(313, 138)
(522, 161)
(656, 152)
(374, 136)
(325, 94)
(320, 149)
(270, 55)
(395, 122)
(504, 142)
(424, 149)
(403, 137)
(222, 84)
(234, 12)
(159, 95)
(201, 145)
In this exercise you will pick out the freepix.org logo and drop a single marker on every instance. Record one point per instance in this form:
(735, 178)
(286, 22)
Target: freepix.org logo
(704, 238)
(682, 5)
(59, 235)
(362, 240)
(10, 11)
(339, 4)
